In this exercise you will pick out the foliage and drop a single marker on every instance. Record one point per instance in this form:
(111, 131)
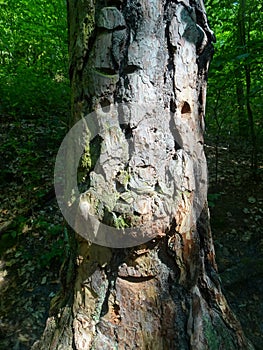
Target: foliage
(234, 103)
(33, 57)
(34, 101)
(212, 198)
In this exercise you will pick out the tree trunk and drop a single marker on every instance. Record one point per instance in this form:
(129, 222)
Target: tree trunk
(243, 83)
(239, 73)
(155, 286)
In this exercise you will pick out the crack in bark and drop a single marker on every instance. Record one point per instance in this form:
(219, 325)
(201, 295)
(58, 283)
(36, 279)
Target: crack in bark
(171, 51)
(140, 279)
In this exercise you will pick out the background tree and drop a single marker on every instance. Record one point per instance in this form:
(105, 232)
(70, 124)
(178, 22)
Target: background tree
(163, 294)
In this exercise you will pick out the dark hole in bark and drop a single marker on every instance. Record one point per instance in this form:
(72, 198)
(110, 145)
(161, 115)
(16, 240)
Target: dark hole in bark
(200, 97)
(127, 130)
(105, 105)
(144, 166)
(115, 3)
(130, 69)
(177, 146)
(116, 309)
(121, 189)
(141, 279)
(172, 106)
(157, 188)
(174, 157)
(106, 71)
(186, 108)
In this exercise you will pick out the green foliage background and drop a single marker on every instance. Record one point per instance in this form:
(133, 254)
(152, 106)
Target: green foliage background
(34, 108)
(33, 58)
(34, 72)
(238, 26)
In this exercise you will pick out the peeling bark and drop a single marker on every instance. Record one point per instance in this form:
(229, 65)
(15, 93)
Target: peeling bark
(165, 293)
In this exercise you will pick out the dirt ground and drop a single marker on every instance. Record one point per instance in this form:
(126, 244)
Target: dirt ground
(33, 240)
(236, 207)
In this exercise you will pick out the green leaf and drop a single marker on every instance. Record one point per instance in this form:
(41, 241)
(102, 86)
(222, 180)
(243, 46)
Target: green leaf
(251, 200)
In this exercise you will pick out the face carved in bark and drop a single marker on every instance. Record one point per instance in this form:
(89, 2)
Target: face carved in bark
(139, 181)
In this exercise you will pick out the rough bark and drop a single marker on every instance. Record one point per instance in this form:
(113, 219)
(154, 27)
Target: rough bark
(165, 293)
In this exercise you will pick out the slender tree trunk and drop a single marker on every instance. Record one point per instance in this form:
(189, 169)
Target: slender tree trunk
(163, 293)
(254, 155)
(254, 161)
(243, 83)
(241, 112)
(240, 81)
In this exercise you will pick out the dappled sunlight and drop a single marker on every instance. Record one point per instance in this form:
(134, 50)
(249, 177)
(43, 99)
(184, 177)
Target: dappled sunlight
(34, 118)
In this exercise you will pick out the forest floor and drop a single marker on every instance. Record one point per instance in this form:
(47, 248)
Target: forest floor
(33, 240)
(236, 209)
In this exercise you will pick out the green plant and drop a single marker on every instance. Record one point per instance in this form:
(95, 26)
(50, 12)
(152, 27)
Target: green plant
(33, 58)
(212, 198)
(234, 99)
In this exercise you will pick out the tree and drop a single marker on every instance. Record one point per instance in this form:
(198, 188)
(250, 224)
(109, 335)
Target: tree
(244, 46)
(142, 67)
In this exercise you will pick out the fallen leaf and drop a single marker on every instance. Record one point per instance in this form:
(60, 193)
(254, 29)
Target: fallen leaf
(44, 280)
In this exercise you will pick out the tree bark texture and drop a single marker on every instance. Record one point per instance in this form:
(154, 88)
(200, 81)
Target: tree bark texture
(164, 293)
